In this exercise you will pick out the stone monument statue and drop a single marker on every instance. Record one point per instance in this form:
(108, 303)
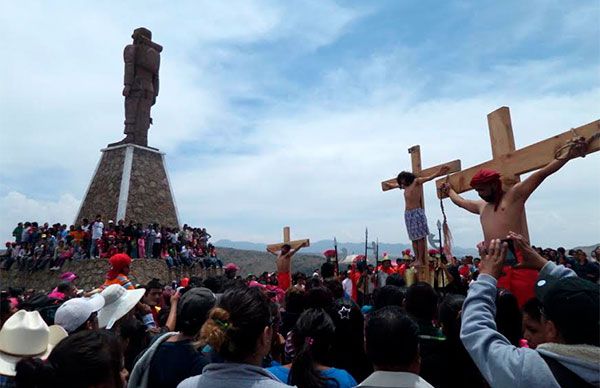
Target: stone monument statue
(142, 61)
(131, 181)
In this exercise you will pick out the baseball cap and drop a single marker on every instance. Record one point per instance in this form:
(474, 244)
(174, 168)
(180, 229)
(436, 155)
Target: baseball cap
(194, 305)
(231, 267)
(74, 312)
(571, 302)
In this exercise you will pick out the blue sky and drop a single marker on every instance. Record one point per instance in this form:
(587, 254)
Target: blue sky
(291, 113)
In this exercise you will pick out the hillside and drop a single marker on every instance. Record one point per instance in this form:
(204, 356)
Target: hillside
(257, 262)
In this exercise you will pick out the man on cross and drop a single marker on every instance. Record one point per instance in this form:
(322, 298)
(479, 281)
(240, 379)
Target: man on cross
(284, 264)
(414, 215)
(503, 211)
(500, 211)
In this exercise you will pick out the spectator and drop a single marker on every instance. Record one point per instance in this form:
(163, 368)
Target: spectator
(97, 228)
(392, 343)
(313, 339)
(459, 370)
(348, 351)
(584, 268)
(79, 314)
(119, 271)
(388, 296)
(533, 331)
(231, 270)
(86, 359)
(23, 335)
(174, 357)
(239, 330)
(118, 302)
(571, 312)
(150, 302)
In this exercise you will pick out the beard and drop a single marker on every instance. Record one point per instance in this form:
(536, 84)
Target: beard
(491, 198)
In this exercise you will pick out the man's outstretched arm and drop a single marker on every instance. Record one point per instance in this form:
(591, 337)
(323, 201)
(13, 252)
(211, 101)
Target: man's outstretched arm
(467, 204)
(442, 171)
(524, 189)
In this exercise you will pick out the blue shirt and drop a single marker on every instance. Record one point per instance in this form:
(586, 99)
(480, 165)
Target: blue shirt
(343, 378)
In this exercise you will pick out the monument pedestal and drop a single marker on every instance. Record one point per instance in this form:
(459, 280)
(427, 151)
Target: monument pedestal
(130, 183)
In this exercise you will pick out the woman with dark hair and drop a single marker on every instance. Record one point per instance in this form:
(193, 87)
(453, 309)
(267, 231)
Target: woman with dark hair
(508, 316)
(348, 350)
(313, 341)
(86, 359)
(458, 370)
(239, 329)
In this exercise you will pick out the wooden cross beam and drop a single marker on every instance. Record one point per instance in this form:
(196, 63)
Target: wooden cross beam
(415, 157)
(511, 162)
(286, 240)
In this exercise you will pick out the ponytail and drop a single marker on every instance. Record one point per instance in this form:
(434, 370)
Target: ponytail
(312, 338)
(35, 373)
(214, 330)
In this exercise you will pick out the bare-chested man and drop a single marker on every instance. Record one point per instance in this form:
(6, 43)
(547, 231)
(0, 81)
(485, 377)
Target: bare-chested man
(499, 211)
(502, 212)
(284, 264)
(414, 215)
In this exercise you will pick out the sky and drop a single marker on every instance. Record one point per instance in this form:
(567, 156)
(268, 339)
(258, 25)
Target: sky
(277, 113)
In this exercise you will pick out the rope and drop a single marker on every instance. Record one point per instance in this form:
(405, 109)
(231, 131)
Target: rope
(577, 146)
(447, 244)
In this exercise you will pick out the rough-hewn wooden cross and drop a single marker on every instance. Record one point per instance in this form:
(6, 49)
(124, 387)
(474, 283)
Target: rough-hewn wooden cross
(286, 240)
(415, 158)
(511, 162)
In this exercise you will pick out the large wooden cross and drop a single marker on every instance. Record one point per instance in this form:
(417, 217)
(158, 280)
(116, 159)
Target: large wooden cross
(417, 169)
(511, 162)
(286, 240)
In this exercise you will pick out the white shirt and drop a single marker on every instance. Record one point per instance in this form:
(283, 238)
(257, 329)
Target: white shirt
(385, 379)
(347, 284)
(97, 229)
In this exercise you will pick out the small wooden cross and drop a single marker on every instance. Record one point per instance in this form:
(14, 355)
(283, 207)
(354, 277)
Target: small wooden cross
(286, 240)
(511, 162)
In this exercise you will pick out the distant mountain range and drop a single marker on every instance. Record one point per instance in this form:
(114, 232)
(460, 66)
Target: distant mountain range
(344, 248)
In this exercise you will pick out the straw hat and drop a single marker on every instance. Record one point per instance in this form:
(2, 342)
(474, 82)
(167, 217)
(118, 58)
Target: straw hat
(25, 334)
(118, 302)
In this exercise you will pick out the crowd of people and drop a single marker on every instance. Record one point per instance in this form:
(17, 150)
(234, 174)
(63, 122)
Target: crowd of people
(38, 247)
(366, 327)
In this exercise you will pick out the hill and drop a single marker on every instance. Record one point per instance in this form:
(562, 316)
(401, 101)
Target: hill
(257, 262)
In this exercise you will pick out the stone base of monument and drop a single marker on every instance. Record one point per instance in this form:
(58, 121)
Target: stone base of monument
(130, 183)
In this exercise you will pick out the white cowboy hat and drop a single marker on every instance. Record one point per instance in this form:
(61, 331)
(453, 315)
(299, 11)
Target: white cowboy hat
(74, 312)
(25, 334)
(118, 302)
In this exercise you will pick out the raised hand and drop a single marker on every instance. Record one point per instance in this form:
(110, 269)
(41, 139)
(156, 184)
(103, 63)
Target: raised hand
(531, 259)
(493, 261)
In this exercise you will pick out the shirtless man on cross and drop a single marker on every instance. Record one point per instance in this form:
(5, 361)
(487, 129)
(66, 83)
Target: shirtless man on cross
(414, 214)
(502, 212)
(284, 264)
